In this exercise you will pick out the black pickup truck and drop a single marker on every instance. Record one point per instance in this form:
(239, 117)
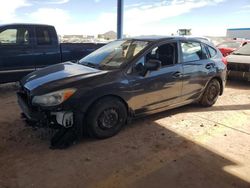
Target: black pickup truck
(28, 47)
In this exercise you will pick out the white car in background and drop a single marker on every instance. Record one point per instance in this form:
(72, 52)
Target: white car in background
(239, 63)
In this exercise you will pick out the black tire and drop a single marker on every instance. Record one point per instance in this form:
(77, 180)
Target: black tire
(106, 117)
(211, 93)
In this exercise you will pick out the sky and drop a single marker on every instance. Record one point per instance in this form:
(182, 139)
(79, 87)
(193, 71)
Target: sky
(141, 17)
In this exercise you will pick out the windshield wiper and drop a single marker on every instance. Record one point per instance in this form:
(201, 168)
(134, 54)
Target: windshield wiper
(237, 53)
(89, 64)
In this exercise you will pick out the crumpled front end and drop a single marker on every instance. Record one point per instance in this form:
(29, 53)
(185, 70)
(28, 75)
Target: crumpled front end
(53, 118)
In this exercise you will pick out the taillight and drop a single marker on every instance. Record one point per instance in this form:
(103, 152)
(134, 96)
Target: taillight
(224, 60)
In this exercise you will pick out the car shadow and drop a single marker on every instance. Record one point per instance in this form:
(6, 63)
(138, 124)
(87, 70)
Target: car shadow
(198, 108)
(237, 84)
(143, 154)
(192, 108)
(154, 156)
(179, 162)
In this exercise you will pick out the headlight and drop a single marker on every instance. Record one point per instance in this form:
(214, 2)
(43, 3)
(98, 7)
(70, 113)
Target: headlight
(54, 98)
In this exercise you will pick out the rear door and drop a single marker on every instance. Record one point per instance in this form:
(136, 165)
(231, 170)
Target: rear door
(47, 49)
(198, 69)
(16, 52)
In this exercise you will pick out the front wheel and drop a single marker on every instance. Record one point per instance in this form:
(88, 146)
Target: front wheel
(106, 117)
(211, 93)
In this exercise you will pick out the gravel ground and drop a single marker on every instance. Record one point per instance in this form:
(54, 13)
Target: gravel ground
(185, 147)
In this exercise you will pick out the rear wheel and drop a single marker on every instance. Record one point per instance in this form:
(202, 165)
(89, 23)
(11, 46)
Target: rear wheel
(211, 93)
(106, 117)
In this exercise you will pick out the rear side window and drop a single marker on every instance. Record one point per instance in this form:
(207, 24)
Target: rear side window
(15, 36)
(212, 51)
(193, 51)
(43, 36)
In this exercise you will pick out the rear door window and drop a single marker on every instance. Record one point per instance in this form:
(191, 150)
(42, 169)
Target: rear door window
(43, 36)
(212, 51)
(193, 51)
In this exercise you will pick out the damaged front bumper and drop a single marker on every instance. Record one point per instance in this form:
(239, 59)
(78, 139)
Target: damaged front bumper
(40, 117)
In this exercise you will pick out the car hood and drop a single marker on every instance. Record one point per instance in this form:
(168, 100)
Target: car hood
(238, 59)
(58, 75)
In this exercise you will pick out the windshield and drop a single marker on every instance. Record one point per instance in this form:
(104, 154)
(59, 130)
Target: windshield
(245, 50)
(230, 44)
(114, 54)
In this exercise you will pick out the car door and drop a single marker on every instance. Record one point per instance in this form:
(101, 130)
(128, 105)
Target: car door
(198, 69)
(160, 88)
(46, 50)
(16, 52)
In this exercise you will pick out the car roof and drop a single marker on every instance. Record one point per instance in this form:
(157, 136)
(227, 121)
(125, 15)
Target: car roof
(150, 37)
(158, 38)
(25, 24)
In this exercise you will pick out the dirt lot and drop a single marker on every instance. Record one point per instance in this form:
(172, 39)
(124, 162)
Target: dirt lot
(186, 147)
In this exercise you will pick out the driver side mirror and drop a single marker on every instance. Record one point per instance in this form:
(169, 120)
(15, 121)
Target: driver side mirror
(150, 65)
(153, 65)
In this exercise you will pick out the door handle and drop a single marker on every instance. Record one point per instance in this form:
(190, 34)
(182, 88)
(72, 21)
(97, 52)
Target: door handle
(177, 75)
